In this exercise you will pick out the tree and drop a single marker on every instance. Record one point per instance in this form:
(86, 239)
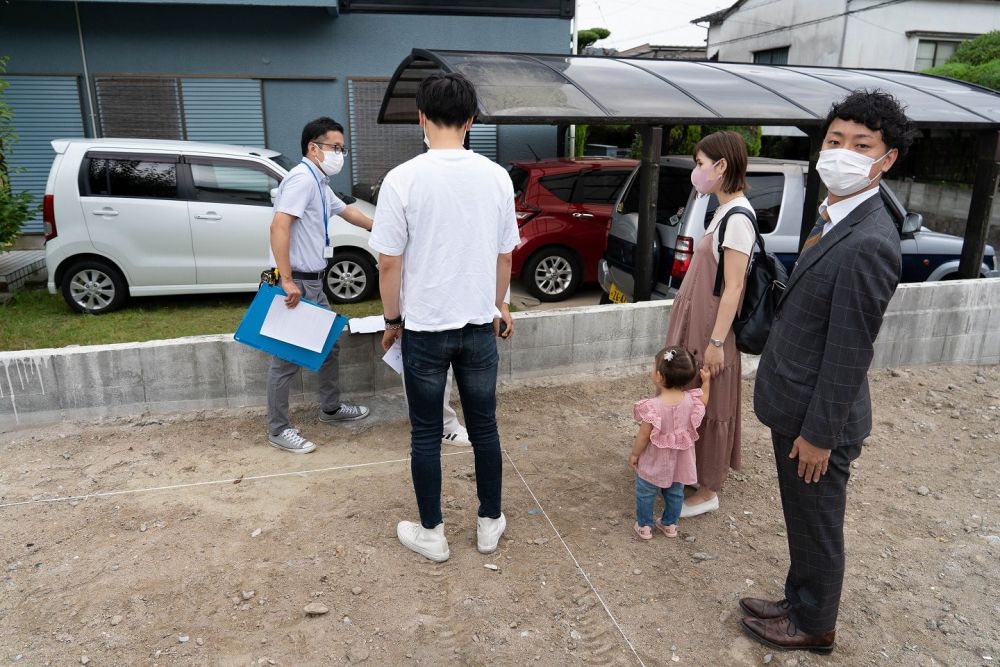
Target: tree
(585, 38)
(15, 208)
(976, 61)
(682, 139)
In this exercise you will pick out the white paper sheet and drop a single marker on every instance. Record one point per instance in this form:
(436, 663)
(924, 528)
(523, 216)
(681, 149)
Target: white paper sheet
(371, 324)
(394, 357)
(306, 326)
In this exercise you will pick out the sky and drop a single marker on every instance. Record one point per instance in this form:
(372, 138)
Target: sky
(638, 22)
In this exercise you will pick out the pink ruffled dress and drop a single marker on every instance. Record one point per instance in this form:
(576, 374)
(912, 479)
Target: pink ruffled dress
(669, 457)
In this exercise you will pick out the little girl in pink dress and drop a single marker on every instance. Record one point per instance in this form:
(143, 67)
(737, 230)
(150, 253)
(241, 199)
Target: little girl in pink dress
(663, 453)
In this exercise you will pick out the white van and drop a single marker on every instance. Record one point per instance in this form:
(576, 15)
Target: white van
(144, 217)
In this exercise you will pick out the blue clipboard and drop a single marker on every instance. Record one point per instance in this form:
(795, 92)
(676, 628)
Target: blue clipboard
(248, 332)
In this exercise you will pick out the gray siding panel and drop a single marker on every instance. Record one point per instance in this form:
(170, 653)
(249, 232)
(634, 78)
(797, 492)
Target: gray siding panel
(226, 111)
(483, 140)
(45, 108)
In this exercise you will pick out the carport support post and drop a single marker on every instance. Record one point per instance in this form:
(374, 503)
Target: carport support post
(983, 191)
(810, 205)
(649, 185)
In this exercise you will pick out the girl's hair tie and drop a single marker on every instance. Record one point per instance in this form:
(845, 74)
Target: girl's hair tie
(669, 356)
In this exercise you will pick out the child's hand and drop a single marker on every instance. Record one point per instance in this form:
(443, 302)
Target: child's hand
(633, 461)
(706, 376)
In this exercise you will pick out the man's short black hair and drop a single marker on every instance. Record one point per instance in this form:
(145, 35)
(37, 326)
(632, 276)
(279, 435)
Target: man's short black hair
(878, 111)
(447, 99)
(317, 129)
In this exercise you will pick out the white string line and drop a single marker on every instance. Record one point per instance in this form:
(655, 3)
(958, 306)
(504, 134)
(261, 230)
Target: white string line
(575, 561)
(350, 466)
(232, 480)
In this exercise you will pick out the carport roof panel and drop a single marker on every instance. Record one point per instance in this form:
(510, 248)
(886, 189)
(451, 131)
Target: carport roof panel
(922, 107)
(550, 88)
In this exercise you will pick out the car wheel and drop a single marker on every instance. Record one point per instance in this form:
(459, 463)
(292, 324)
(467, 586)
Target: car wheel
(552, 274)
(350, 277)
(94, 287)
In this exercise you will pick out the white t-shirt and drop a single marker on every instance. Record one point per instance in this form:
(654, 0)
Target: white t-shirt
(301, 197)
(449, 213)
(739, 230)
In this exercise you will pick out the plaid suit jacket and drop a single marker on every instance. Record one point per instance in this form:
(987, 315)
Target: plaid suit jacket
(813, 375)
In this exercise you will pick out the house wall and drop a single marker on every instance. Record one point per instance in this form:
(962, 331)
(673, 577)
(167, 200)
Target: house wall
(293, 49)
(876, 37)
(759, 25)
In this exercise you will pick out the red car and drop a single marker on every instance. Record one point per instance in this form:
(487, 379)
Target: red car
(564, 210)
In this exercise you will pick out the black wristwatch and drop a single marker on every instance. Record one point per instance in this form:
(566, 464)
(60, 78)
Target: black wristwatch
(394, 323)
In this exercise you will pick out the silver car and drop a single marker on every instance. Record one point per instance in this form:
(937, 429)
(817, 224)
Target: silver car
(776, 191)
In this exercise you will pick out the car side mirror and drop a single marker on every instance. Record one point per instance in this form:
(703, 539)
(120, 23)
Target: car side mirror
(346, 198)
(912, 223)
(274, 194)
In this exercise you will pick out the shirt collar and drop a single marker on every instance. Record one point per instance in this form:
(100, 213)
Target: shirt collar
(844, 207)
(313, 168)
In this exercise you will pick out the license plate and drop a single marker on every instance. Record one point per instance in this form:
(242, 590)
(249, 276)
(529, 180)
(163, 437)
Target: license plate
(616, 295)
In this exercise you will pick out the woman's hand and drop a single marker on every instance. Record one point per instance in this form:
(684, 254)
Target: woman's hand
(715, 358)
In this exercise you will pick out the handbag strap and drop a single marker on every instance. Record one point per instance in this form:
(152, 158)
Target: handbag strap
(720, 272)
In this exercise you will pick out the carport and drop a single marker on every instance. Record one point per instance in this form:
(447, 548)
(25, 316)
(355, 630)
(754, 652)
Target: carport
(543, 89)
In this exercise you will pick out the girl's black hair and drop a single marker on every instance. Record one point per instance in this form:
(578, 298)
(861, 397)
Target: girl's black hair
(679, 370)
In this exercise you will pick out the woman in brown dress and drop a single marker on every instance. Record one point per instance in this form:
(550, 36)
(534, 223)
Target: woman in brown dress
(703, 323)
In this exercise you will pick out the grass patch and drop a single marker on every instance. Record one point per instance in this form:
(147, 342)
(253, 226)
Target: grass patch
(33, 319)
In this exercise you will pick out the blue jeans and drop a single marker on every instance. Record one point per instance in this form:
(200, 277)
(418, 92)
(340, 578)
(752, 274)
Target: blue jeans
(645, 496)
(472, 353)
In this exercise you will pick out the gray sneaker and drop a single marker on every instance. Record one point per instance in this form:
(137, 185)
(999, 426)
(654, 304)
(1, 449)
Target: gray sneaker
(290, 440)
(346, 413)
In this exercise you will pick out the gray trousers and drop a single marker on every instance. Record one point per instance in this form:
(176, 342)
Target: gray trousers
(281, 372)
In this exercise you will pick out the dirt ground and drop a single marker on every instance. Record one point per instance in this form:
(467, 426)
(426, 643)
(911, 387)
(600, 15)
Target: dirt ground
(176, 570)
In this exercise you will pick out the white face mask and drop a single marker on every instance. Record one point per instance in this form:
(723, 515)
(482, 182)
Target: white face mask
(844, 171)
(332, 163)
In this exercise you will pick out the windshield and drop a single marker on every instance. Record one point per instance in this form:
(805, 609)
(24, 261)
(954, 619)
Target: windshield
(284, 161)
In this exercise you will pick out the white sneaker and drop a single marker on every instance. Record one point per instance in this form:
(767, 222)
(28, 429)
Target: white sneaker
(688, 511)
(457, 437)
(488, 532)
(292, 441)
(428, 542)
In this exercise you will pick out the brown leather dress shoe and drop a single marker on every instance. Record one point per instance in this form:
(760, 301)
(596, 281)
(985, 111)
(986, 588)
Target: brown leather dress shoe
(765, 609)
(781, 633)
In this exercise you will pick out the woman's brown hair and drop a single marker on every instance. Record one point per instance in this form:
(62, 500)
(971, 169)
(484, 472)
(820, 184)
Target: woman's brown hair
(730, 146)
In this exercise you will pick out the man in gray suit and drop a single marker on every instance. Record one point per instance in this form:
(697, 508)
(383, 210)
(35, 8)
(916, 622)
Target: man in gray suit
(812, 386)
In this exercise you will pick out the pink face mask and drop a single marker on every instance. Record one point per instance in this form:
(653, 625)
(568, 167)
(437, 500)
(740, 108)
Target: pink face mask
(702, 180)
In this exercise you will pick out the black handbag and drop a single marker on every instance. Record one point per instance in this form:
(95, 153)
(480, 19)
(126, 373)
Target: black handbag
(765, 283)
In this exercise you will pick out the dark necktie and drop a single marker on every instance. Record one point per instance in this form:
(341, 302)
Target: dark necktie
(816, 235)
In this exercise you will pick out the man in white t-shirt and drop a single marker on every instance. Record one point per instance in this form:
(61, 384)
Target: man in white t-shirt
(445, 229)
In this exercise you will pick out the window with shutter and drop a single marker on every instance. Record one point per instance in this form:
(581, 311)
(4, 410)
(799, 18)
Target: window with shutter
(139, 107)
(375, 149)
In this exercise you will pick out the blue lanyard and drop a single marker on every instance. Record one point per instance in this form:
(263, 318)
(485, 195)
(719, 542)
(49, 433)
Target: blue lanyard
(322, 203)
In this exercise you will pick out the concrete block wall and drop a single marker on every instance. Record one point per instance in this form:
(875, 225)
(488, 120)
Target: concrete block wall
(953, 322)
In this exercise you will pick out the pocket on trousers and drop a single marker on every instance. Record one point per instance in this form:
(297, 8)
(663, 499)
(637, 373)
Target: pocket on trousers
(422, 351)
(484, 345)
